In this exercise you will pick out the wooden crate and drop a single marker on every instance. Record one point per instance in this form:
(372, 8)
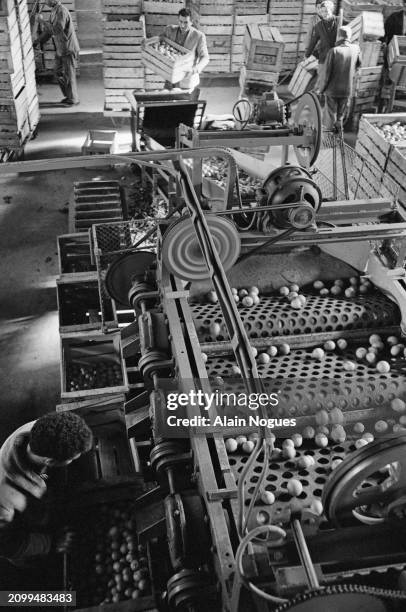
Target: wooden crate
(304, 73)
(258, 77)
(122, 67)
(92, 360)
(94, 202)
(263, 47)
(118, 8)
(79, 304)
(373, 147)
(74, 256)
(351, 8)
(99, 142)
(367, 84)
(370, 53)
(367, 26)
(397, 60)
(171, 69)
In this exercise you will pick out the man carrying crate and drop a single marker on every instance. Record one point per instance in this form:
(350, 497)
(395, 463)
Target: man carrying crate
(188, 37)
(341, 64)
(323, 36)
(53, 441)
(61, 29)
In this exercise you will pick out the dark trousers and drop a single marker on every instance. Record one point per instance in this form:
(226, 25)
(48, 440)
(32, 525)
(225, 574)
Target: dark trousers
(334, 112)
(65, 70)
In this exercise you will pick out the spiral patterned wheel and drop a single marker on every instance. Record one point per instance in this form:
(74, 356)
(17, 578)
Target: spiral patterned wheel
(368, 483)
(181, 250)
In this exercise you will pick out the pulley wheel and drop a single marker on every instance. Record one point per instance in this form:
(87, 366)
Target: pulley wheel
(367, 482)
(181, 252)
(335, 598)
(279, 175)
(308, 115)
(123, 271)
(302, 191)
(186, 589)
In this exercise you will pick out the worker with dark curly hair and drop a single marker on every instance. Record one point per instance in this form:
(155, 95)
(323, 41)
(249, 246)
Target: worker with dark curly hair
(53, 441)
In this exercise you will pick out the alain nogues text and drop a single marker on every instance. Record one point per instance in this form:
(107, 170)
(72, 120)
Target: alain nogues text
(220, 409)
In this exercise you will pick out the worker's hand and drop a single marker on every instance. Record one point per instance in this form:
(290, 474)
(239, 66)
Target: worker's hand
(36, 44)
(21, 475)
(11, 500)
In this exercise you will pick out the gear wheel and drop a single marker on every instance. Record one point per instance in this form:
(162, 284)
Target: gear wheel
(339, 598)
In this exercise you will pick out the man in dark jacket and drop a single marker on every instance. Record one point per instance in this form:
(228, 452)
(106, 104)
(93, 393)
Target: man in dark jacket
(395, 24)
(324, 35)
(60, 27)
(341, 64)
(53, 441)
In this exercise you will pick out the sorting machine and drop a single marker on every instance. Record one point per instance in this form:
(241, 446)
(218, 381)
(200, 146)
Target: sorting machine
(339, 544)
(297, 559)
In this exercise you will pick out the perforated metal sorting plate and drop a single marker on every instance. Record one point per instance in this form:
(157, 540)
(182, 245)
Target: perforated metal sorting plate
(280, 471)
(274, 316)
(308, 385)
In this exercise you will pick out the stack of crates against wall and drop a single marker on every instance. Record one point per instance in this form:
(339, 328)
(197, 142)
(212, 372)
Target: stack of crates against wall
(123, 32)
(224, 25)
(28, 60)
(16, 93)
(294, 20)
(160, 13)
(45, 56)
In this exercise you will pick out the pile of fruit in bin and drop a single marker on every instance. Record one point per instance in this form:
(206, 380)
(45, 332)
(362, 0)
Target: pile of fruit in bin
(93, 376)
(393, 132)
(216, 169)
(108, 565)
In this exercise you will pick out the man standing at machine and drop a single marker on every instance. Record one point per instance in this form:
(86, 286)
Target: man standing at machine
(53, 441)
(324, 35)
(60, 27)
(185, 35)
(340, 66)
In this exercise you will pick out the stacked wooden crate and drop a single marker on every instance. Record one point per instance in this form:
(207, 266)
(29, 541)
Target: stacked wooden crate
(397, 60)
(367, 28)
(352, 8)
(293, 18)
(123, 32)
(19, 113)
(263, 56)
(45, 56)
(159, 14)
(224, 25)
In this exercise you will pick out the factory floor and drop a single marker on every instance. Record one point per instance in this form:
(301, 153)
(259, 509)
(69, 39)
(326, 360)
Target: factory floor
(33, 212)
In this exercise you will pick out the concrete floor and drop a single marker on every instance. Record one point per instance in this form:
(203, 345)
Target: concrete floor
(33, 212)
